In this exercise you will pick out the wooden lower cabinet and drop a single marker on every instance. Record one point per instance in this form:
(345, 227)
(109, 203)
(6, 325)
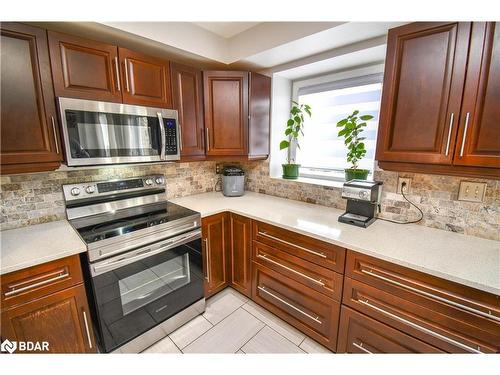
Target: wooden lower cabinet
(215, 238)
(240, 251)
(48, 303)
(306, 309)
(359, 333)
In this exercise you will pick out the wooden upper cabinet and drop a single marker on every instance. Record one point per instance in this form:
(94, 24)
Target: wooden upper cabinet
(187, 98)
(29, 131)
(479, 132)
(423, 81)
(215, 237)
(145, 79)
(226, 112)
(84, 69)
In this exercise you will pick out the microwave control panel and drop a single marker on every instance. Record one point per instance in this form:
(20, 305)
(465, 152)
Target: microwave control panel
(170, 136)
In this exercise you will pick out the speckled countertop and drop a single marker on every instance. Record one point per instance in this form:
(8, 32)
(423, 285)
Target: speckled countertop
(467, 260)
(37, 244)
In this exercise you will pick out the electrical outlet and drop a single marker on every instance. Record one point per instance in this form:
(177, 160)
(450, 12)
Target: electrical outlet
(406, 180)
(218, 168)
(472, 191)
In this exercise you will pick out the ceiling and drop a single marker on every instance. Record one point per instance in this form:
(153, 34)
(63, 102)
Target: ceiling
(226, 29)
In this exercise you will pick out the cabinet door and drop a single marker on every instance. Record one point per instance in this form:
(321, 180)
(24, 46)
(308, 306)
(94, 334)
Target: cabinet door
(84, 68)
(423, 81)
(29, 131)
(62, 319)
(259, 116)
(226, 113)
(241, 246)
(216, 248)
(146, 79)
(479, 135)
(187, 100)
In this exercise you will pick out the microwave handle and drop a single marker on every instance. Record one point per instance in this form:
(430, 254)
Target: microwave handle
(162, 132)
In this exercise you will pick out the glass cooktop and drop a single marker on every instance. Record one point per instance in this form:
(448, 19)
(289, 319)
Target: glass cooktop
(131, 220)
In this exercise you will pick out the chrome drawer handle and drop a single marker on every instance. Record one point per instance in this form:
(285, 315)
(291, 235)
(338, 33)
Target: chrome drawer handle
(361, 347)
(290, 305)
(87, 330)
(420, 328)
(319, 282)
(292, 244)
(35, 285)
(465, 134)
(449, 134)
(433, 296)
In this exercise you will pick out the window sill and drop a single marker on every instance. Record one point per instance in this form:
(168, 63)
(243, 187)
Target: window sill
(314, 181)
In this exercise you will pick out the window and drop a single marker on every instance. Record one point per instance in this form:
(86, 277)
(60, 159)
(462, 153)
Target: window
(322, 153)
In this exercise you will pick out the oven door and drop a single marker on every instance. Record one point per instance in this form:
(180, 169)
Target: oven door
(111, 133)
(138, 290)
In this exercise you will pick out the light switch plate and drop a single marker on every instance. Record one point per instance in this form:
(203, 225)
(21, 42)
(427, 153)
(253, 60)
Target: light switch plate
(472, 191)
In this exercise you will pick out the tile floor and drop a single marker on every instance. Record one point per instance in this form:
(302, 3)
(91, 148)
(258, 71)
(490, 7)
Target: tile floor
(234, 324)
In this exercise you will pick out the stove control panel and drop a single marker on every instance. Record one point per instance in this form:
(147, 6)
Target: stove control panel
(105, 188)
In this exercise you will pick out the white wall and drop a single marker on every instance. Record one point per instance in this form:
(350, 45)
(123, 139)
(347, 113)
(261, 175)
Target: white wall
(280, 111)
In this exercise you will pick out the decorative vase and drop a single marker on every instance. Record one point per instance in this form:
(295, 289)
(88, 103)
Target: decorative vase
(290, 171)
(356, 174)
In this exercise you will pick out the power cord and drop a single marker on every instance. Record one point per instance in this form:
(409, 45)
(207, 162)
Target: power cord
(403, 188)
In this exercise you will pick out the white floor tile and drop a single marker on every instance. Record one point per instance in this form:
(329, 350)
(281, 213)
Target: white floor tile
(228, 336)
(163, 346)
(274, 322)
(190, 331)
(222, 304)
(312, 347)
(269, 341)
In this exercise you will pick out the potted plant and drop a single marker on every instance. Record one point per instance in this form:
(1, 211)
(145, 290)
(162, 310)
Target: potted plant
(294, 128)
(351, 128)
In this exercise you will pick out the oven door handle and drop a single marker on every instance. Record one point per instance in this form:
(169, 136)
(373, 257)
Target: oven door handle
(134, 256)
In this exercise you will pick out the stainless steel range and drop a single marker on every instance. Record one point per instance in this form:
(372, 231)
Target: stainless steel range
(143, 265)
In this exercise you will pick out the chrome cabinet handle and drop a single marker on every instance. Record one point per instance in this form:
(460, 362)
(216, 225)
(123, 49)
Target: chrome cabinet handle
(162, 134)
(319, 282)
(420, 328)
(290, 305)
(35, 285)
(207, 249)
(117, 72)
(488, 315)
(87, 330)
(465, 134)
(449, 134)
(126, 76)
(292, 244)
(207, 136)
(55, 133)
(361, 347)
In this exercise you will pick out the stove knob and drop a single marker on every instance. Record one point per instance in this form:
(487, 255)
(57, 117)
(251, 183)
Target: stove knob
(159, 180)
(90, 189)
(75, 191)
(149, 182)
(363, 194)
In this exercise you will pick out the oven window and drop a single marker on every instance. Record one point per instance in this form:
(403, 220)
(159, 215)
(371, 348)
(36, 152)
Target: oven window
(99, 135)
(152, 283)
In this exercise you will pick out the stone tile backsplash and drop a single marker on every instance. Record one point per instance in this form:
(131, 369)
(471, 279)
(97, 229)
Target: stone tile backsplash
(29, 199)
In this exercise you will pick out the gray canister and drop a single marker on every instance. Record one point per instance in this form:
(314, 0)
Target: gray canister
(233, 181)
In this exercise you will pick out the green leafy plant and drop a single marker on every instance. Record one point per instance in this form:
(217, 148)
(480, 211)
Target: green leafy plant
(294, 127)
(351, 128)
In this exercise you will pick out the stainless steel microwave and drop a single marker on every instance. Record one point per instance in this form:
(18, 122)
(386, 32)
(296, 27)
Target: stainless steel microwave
(98, 133)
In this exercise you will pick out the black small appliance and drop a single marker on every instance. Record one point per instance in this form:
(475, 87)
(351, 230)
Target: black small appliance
(363, 200)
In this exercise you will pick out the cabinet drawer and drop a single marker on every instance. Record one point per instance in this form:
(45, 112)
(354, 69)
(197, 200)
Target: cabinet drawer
(470, 306)
(360, 334)
(308, 310)
(430, 325)
(322, 279)
(315, 251)
(41, 280)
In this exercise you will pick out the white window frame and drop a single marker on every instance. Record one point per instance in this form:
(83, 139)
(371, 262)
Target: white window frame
(330, 82)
